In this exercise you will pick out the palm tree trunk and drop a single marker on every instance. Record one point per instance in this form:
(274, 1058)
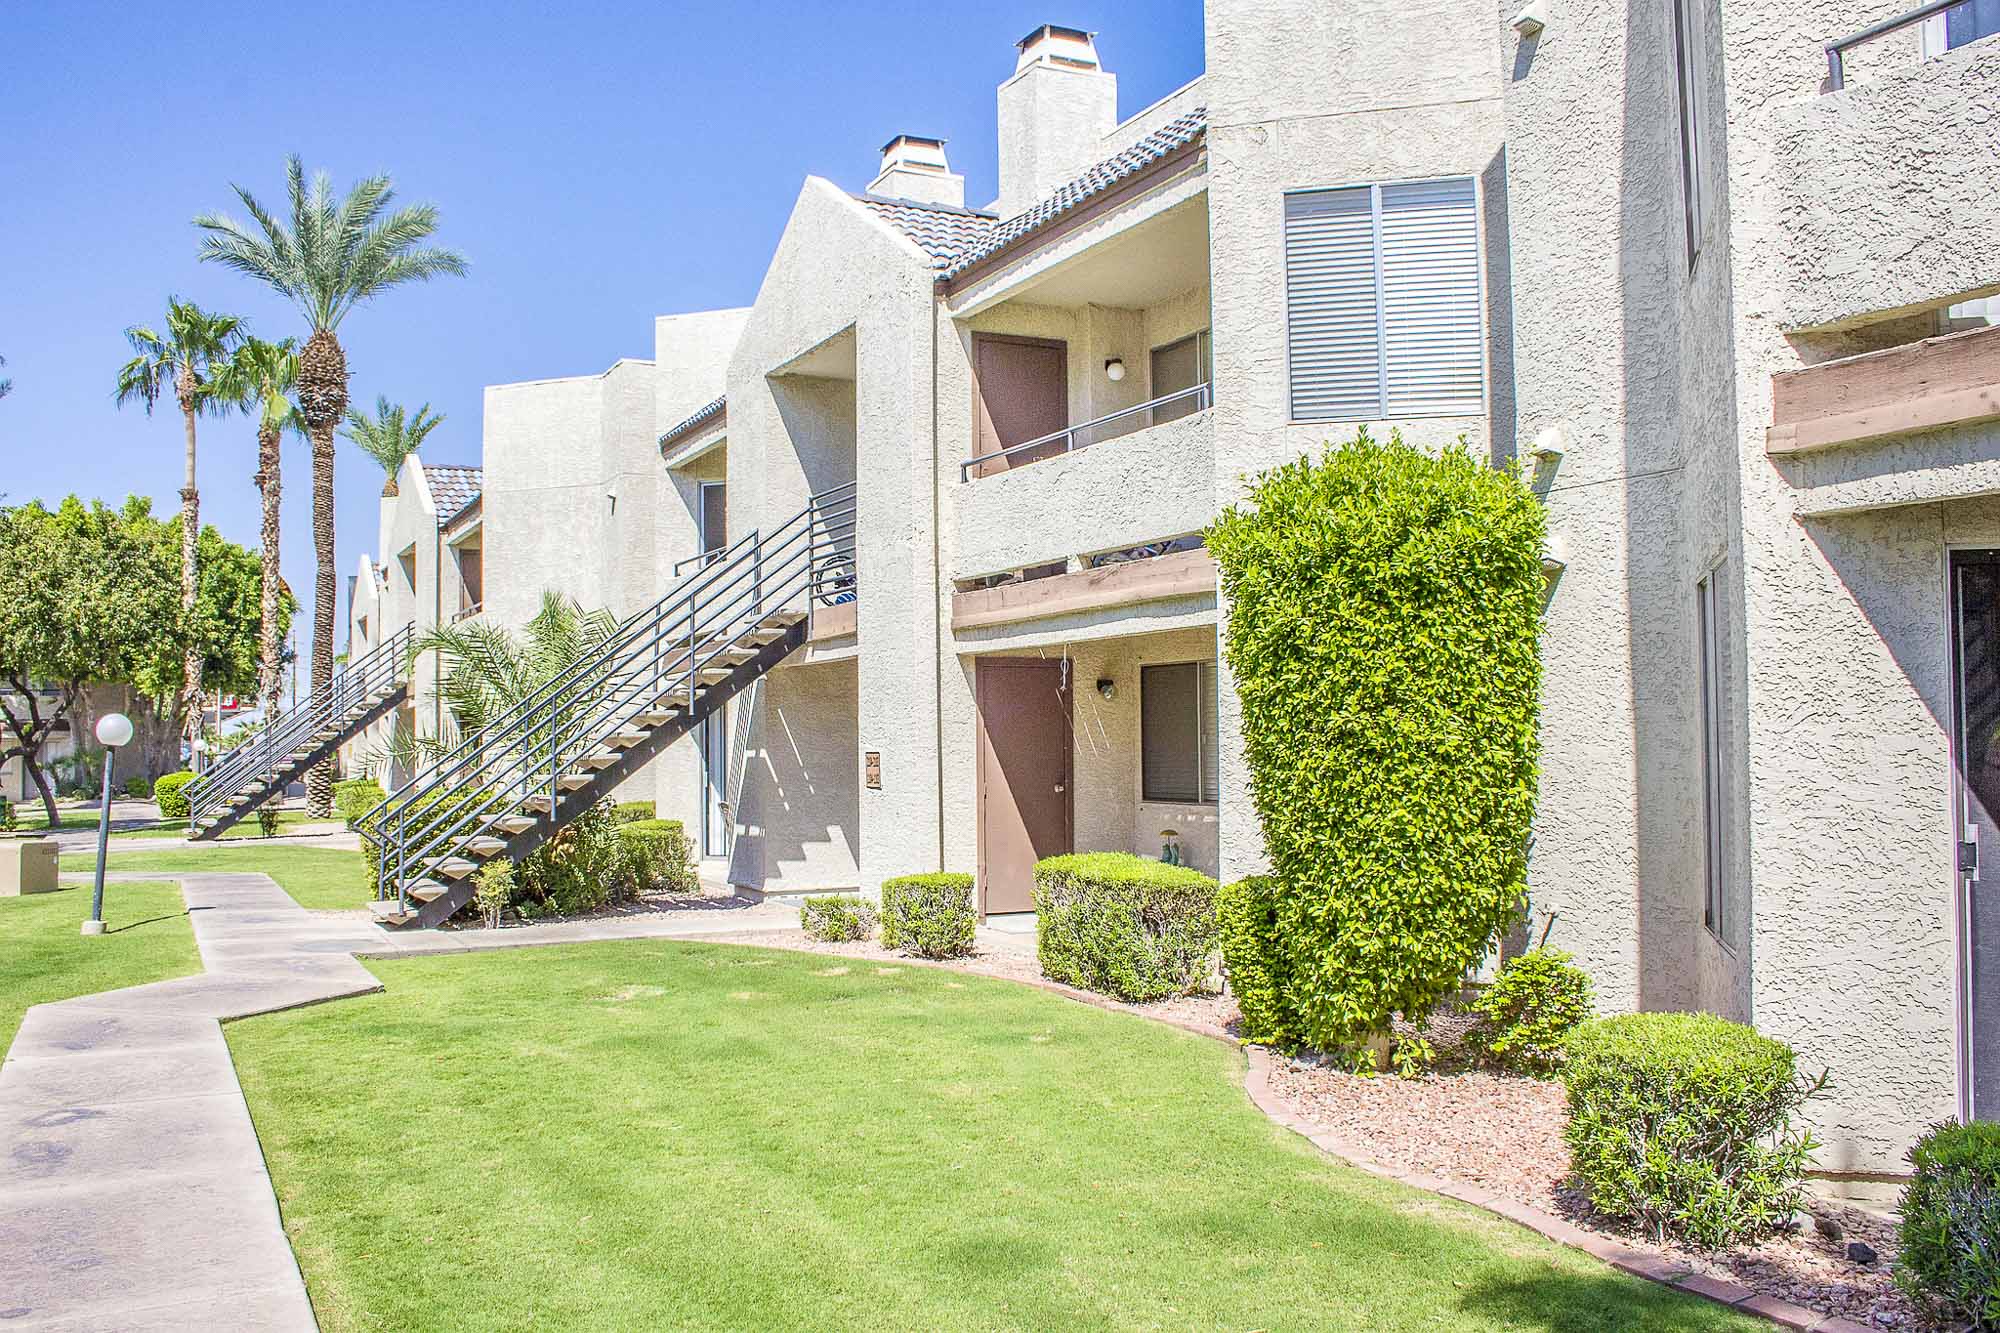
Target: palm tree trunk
(319, 783)
(268, 440)
(190, 532)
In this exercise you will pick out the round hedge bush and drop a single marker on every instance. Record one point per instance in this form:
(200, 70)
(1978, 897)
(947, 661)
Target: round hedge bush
(1526, 1015)
(170, 796)
(931, 916)
(1124, 925)
(1384, 607)
(1948, 1241)
(1688, 1124)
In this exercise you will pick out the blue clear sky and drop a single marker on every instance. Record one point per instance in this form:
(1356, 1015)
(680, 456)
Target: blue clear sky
(598, 165)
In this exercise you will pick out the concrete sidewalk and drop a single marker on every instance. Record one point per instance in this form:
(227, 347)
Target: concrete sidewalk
(133, 1192)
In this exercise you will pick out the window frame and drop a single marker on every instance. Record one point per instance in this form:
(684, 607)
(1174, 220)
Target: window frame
(1480, 265)
(1207, 731)
(1687, 97)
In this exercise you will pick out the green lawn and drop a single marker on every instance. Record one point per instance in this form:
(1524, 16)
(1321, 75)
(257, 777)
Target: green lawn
(322, 878)
(71, 821)
(44, 956)
(671, 1135)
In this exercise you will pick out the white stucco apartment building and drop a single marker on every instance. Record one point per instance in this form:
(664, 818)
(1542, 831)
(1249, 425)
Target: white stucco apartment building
(1627, 247)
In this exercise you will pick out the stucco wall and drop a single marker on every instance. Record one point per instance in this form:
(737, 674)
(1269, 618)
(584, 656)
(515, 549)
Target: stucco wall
(798, 802)
(1286, 111)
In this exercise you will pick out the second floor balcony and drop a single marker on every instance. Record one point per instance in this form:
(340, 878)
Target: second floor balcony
(1170, 406)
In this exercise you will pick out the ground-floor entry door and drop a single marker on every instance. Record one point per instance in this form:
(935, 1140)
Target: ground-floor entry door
(714, 736)
(1975, 652)
(1024, 774)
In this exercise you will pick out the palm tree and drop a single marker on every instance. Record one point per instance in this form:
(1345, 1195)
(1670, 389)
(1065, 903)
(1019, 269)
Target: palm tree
(485, 669)
(259, 380)
(389, 438)
(330, 256)
(6, 386)
(187, 358)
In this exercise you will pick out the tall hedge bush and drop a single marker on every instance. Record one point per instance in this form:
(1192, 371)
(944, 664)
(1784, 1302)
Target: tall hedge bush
(1124, 925)
(1383, 611)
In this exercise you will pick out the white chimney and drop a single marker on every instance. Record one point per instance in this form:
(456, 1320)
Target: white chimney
(1054, 114)
(915, 168)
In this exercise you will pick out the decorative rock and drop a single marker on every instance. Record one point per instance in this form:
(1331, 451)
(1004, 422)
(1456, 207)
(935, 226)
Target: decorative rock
(1861, 1253)
(1827, 1227)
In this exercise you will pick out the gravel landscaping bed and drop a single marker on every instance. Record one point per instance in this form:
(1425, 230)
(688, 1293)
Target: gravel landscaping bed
(1504, 1133)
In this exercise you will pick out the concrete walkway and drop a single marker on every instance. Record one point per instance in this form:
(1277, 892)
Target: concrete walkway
(133, 1192)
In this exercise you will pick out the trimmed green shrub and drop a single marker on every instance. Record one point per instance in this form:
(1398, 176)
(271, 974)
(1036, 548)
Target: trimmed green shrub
(1124, 925)
(930, 916)
(1384, 609)
(1685, 1124)
(1949, 1237)
(835, 919)
(495, 891)
(1246, 919)
(355, 797)
(662, 857)
(582, 868)
(169, 796)
(631, 812)
(139, 789)
(267, 821)
(1529, 1011)
(9, 821)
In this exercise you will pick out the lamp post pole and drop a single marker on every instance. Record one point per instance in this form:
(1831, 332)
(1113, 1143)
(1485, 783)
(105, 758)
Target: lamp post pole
(113, 731)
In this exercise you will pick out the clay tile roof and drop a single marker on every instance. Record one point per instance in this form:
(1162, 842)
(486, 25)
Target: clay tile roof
(1170, 137)
(939, 230)
(703, 415)
(453, 488)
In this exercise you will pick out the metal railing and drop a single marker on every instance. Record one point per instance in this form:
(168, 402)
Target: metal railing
(1836, 51)
(653, 661)
(1196, 399)
(699, 558)
(292, 732)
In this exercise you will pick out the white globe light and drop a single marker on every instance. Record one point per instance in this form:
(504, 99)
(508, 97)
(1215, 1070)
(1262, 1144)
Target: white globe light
(113, 730)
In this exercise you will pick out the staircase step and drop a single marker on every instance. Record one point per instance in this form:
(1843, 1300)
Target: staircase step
(631, 736)
(712, 675)
(515, 823)
(390, 912)
(487, 845)
(428, 890)
(574, 781)
(538, 802)
(733, 656)
(455, 866)
(784, 618)
(598, 759)
(764, 635)
(656, 717)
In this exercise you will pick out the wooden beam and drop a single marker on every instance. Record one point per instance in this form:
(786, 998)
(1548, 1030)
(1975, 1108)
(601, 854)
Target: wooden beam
(1181, 574)
(1948, 381)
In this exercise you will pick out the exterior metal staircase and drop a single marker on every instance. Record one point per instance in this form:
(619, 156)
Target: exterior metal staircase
(293, 741)
(512, 785)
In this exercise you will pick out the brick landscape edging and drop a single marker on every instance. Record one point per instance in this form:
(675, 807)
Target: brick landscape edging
(1647, 1264)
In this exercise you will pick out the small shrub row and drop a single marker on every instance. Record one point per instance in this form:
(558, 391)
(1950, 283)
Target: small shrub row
(355, 797)
(139, 788)
(931, 916)
(1687, 1124)
(632, 812)
(836, 919)
(1949, 1237)
(1124, 925)
(169, 794)
(658, 853)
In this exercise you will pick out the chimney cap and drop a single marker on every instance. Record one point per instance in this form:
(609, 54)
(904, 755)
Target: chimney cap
(1054, 30)
(926, 140)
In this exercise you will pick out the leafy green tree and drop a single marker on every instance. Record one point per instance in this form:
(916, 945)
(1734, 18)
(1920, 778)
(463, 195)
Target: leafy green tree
(84, 593)
(183, 361)
(329, 257)
(391, 435)
(260, 380)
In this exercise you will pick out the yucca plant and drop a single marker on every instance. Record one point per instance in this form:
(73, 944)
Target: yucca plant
(184, 361)
(259, 380)
(331, 255)
(391, 435)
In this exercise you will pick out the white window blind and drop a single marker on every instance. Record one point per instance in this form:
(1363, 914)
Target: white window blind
(1382, 301)
(1177, 733)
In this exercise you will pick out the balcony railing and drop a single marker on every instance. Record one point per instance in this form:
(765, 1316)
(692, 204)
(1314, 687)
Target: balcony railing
(1109, 427)
(1836, 52)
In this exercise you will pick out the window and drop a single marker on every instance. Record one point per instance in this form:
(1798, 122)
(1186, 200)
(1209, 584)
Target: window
(1967, 23)
(714, 516)
(1177, 366)
(1382, 302)
(408, 561)
(1687, 52)
(1710, 610)
(1177, 733)
(471, 570)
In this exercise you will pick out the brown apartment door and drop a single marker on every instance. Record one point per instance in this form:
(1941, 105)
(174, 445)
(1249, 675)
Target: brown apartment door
(1024, 774)
(1020, 393)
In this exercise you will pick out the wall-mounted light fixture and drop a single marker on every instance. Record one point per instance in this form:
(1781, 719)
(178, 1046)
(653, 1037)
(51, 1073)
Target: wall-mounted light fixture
(1107, 688)
(1531, 20)
(1550, 445)
(1114, 369)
